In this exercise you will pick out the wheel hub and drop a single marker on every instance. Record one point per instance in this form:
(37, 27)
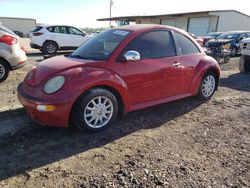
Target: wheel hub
(98, 112)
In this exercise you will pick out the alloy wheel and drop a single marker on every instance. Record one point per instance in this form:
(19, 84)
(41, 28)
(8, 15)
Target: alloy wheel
(98, 112)
(208, 86)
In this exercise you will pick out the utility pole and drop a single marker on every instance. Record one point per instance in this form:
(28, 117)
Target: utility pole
(110, 7)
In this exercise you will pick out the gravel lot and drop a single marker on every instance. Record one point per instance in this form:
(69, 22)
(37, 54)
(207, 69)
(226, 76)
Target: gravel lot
(187, 143)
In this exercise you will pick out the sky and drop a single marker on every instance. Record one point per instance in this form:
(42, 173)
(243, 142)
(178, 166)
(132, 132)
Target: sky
(83, 13)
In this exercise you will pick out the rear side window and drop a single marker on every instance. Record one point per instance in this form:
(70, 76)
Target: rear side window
(74, 31)
(37, 28)
(185, 45)
(57, 29)
(50, 29)
(152, 45)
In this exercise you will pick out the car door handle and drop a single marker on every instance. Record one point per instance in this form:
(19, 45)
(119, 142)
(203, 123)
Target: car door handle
(177, 64)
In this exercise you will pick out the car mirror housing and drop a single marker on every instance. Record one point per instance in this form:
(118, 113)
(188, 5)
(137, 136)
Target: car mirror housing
(132, 55)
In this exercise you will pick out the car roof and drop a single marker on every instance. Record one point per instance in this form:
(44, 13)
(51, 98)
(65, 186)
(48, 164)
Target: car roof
(236, 32)
(145, 27)
(48, 25)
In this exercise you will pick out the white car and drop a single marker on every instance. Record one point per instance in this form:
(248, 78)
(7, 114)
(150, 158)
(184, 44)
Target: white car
(12, 56)
(51, 38)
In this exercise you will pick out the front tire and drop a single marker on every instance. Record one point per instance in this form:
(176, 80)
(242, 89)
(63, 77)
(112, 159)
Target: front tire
(95, 110)
(50, 47)
(233, 51)
(207, 86)
(4, 71)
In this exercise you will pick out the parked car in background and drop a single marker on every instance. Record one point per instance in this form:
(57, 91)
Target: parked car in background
(51, 38)
(233, 38)
(11, 55)
(119, 70)
(210, 36)
(198, 39)
(20, 34)
(245, 55)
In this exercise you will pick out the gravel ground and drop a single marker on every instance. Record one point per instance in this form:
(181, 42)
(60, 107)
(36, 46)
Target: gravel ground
(187, 143)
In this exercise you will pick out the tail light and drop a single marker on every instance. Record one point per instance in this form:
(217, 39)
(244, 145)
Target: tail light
(8, 40)
(37, 34)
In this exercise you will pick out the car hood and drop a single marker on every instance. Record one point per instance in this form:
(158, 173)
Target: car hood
(55, 65)
(206, 37)
(218, 42)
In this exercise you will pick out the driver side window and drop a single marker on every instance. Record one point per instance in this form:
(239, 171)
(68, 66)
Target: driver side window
(152, 45)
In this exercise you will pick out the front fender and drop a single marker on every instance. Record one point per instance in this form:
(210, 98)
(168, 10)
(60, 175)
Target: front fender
(83, 79)
(207, 63)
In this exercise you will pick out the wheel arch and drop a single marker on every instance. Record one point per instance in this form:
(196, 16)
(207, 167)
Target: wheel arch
(204, 67)
(51, 41)
(4, 60)
(119, 97)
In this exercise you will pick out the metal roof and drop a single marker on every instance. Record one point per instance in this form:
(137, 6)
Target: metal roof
(133, 18)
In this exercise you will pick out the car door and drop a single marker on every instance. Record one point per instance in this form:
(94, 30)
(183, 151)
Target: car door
(155, 75)
(77, 37)
(59, 35)
(190, 56)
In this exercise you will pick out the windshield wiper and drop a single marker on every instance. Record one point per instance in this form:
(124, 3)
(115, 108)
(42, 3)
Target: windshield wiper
(76, 56)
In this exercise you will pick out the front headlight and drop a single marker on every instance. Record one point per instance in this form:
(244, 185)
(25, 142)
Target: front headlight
(54, 84)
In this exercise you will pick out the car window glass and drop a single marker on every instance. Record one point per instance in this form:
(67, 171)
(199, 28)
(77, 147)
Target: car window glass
(185, 45)
(155, 44)
(50, 29)
(74, 31)
(101, 46)
(37, 28)
(56, 29)
(62, 30)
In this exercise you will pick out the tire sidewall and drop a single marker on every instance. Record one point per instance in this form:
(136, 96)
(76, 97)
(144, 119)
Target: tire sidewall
(233, 51)
(7, 70)
(200, 94)
(78, 112)
(46, 44)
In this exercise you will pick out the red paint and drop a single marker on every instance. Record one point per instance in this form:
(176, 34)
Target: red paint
(140, 84)
(9, 40)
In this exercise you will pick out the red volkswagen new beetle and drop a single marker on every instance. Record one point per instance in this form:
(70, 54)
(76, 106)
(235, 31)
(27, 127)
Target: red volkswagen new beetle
(118, 71)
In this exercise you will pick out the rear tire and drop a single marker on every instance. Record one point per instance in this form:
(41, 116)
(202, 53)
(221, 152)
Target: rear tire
(50, 47)
(207, 86)
(4, 71)
(95, 110)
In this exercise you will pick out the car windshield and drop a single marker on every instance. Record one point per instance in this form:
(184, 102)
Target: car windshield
(228, 36)
(5, 29)
(101, 46)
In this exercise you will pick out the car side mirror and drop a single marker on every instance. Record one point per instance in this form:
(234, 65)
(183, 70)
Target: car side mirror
(132, 55)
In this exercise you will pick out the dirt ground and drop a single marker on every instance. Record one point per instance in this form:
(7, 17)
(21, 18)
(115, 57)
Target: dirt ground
(187, 143)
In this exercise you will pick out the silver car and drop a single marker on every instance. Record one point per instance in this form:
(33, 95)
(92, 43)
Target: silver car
(12, 56)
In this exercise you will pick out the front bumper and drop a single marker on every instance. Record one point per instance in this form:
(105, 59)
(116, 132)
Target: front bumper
(59, 117)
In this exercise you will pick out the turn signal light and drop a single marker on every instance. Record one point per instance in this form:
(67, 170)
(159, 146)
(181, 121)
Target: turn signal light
(45, 108)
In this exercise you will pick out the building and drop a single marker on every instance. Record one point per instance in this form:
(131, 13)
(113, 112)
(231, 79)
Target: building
(199, 23)
(24, 25)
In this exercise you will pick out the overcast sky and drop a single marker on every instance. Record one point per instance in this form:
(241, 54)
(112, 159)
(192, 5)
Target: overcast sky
(83, 13)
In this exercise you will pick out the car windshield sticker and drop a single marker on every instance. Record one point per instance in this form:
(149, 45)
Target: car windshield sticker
(120, 32)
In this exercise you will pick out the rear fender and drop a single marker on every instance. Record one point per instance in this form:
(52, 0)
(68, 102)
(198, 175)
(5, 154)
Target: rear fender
(206, 64)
